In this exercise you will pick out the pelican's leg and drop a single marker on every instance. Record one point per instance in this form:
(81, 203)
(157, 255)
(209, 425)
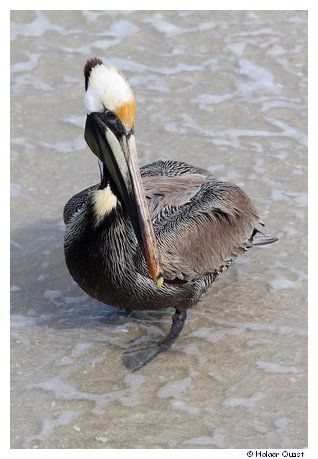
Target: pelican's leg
(178, 320)
(137, 357)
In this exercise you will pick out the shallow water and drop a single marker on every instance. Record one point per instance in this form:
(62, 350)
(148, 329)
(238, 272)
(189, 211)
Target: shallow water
(224, 90)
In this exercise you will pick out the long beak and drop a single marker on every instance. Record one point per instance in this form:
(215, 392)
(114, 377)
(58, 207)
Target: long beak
(119, 154)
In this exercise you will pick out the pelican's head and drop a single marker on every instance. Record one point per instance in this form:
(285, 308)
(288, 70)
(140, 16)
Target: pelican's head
(109, 132)
(107, 89)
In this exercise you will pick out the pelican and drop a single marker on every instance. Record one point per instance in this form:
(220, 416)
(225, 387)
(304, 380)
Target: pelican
(151, 237)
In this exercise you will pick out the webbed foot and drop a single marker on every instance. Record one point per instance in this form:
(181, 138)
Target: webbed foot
(138, 356)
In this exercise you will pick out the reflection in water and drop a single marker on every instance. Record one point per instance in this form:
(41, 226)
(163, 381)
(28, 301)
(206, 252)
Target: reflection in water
(224, 90)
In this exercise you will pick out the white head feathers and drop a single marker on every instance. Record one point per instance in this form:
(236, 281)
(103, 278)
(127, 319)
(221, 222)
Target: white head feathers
(107, 88)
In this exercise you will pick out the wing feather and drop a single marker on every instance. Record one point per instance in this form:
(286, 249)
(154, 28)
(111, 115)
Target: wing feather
(201, 223)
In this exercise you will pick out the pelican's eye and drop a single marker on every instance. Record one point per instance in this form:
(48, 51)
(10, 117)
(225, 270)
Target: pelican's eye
(110, 116)
(113, 122)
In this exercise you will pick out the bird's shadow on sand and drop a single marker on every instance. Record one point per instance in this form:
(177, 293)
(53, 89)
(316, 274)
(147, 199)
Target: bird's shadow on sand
(43, 290)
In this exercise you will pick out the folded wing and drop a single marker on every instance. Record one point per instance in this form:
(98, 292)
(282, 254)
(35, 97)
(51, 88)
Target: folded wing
(201, 223)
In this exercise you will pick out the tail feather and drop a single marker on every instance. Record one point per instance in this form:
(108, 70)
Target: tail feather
(258, 238)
